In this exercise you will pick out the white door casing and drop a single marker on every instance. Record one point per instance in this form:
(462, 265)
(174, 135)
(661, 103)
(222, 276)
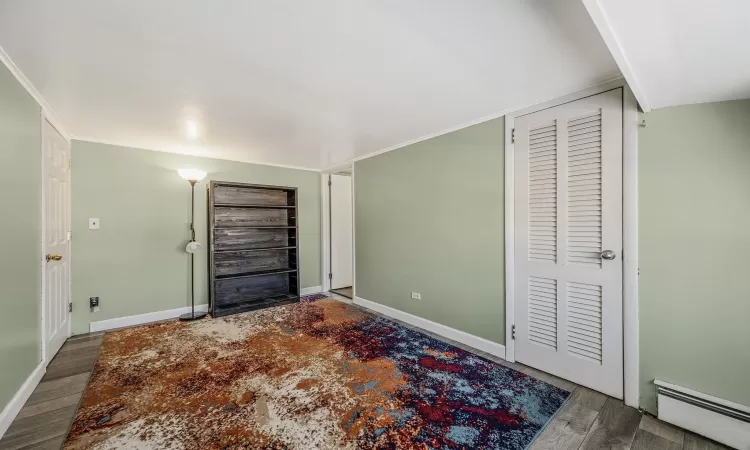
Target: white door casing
(568, 209)
(56, 185)
(341, 231)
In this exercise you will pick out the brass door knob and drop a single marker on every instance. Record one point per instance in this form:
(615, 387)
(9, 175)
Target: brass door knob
(53, 257)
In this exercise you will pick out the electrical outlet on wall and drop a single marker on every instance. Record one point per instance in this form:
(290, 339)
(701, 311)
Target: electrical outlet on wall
(94, 304)
(416, 296)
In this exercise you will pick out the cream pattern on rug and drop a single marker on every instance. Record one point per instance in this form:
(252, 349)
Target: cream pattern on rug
(312, 375)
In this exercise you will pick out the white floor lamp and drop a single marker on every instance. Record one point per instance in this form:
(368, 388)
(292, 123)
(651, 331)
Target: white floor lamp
(193, 176)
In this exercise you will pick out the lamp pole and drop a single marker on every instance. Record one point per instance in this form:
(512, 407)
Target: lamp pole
(192, 315)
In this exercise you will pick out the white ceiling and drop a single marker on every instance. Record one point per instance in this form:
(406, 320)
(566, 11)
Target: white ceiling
(676, 52)
(301, 83)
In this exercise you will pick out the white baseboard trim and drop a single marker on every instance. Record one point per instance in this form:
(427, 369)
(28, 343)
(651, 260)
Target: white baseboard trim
(476, 342)
(140, 319)
(718, 419)
(311, 290)
(12, 409)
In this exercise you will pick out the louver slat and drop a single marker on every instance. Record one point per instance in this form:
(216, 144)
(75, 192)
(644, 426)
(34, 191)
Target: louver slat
(543, 312)
(543, 194)
(584, 333)
(584, 205)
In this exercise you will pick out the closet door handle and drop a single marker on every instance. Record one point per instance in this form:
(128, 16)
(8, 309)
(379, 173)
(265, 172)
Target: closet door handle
(53, 257)
(609, 255)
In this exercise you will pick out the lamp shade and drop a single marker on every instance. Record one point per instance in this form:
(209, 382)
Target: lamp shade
(192, 174)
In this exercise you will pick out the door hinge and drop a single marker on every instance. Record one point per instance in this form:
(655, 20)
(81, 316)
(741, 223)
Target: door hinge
(70, 307)
(330, 276)
(513, 332)
(70, 164)
(513, 136)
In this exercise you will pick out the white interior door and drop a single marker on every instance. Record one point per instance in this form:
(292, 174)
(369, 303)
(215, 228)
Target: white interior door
(342, 257)
(568, 213)
(56, 240)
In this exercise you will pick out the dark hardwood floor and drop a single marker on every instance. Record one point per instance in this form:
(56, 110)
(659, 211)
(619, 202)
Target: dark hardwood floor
(591, 420)
(46, 417)
(347, 292)
(588, 420)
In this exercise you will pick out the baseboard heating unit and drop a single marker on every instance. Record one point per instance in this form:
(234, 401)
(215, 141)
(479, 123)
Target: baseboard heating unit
(712, 417)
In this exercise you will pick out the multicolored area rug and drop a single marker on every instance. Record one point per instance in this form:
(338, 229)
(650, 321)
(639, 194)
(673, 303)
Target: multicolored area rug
(311, 375)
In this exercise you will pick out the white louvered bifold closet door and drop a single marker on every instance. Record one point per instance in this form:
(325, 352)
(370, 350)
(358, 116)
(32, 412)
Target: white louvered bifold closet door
(568, 211)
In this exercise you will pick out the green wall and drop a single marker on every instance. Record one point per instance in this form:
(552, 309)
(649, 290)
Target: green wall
(136, 262)
(695, 250)
(20, 265)
(429, 219)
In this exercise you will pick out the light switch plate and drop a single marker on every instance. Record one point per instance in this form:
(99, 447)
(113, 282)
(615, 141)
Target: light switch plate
(93, 223)
(416, 296)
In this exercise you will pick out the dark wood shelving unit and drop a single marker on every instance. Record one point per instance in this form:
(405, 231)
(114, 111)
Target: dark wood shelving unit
(255, 227)
(255, 206)
(254, 247)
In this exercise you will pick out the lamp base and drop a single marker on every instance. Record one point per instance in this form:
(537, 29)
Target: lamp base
(192, 316)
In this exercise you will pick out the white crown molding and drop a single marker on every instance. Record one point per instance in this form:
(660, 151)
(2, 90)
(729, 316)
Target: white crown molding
(599, 16)
(49, 114)
(606, 82)
(15, 405)
(53, 119)
(476, 342)
(246, 161)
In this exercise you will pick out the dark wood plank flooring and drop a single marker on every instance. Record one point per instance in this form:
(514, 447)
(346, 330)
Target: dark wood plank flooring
(347, 292)
(47, 415)
(591, 420)
(588, 420)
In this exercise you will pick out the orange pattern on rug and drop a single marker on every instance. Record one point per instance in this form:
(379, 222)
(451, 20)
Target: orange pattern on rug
(319, 375)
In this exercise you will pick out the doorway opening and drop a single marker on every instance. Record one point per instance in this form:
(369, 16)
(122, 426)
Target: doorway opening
(341, 233)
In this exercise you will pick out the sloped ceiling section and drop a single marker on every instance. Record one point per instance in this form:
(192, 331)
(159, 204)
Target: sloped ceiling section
(677, 52)
(301, 83)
